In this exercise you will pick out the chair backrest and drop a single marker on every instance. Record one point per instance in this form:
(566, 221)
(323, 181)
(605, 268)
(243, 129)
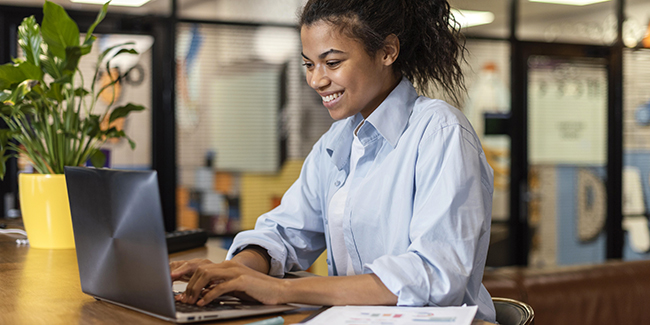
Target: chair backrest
(513, 312)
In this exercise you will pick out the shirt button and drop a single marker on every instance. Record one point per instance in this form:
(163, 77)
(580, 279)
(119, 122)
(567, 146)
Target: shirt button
(337, 183)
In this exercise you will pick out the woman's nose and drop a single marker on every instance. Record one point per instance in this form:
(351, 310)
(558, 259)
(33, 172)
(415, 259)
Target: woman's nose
(319, 78)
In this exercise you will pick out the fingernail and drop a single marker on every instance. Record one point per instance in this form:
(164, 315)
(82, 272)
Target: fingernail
(201, 302)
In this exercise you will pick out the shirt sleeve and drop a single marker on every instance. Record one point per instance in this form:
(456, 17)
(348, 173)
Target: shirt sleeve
(451, 213)
(292, 233)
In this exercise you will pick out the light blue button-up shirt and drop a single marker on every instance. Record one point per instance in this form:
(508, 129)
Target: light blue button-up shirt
(418, 212)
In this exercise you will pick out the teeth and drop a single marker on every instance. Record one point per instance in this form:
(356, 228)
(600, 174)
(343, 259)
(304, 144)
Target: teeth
(332, 97)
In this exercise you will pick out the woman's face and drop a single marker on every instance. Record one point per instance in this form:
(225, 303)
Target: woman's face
(348, 80)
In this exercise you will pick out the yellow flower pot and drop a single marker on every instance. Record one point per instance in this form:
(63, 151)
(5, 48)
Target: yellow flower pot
(46, 210)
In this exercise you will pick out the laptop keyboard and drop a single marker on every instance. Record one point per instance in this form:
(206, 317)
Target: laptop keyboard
(221, 303)
(213, 306)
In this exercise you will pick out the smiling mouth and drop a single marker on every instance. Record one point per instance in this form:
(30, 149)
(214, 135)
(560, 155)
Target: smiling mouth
(331, 97)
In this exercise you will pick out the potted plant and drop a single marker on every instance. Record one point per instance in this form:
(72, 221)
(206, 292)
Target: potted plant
(51, 120)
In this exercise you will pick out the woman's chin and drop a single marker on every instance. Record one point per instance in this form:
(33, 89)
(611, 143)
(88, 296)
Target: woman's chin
(337, 115)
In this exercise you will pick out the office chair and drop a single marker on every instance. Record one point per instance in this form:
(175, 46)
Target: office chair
(513, 312)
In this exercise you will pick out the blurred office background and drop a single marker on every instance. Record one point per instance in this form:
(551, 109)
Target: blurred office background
(559, 92)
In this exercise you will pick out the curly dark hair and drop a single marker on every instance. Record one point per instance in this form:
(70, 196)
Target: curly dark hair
(431, 45)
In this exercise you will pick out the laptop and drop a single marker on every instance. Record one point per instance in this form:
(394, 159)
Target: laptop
(121, 248)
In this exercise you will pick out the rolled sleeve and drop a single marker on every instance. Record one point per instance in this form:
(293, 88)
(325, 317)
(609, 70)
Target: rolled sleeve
(267, 240)
(407, 286)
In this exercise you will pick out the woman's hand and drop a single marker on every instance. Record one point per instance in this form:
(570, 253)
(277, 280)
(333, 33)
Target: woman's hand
(211, 280)
(183, 270)
(245, 276)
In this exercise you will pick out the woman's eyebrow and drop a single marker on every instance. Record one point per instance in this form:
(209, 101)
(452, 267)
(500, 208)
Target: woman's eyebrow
(324, 54)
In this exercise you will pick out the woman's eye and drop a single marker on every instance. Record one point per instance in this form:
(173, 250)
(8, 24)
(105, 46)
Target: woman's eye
(307, 65)
(333, 63)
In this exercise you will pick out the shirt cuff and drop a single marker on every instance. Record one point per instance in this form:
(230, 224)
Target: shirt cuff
(405, 276)
(278, 257)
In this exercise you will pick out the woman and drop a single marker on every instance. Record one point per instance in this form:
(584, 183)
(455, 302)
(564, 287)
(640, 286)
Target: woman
(398, 190)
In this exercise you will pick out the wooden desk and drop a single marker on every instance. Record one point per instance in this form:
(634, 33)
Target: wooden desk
(41, 286)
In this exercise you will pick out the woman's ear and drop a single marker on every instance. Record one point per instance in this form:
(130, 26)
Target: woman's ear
(390, 50)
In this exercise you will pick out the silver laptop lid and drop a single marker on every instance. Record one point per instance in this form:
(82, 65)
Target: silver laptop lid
(120, 237)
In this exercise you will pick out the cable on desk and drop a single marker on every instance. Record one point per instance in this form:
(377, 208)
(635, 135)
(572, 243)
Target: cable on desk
(24, 241)
(13, 231)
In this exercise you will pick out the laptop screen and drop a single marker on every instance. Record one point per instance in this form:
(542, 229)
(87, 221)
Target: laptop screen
(120, 238)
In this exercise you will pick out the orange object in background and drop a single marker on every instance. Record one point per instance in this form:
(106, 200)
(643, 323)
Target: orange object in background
(112, 93)
(186, 217)
(646, 40)
(224, 182)
(275, 201)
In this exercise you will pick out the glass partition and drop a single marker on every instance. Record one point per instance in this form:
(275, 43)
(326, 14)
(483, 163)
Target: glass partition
(567, 123)
(594, 22)
(636, 153)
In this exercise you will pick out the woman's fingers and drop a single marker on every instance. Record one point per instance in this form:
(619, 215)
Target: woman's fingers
(220, 290)
(213, 276)
(179, 271)
(204, 276)
(211, 281)
(182, 270)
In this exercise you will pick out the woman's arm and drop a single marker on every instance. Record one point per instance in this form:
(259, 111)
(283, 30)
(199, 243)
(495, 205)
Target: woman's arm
(255, 257)
(235, 277)
(365, 289)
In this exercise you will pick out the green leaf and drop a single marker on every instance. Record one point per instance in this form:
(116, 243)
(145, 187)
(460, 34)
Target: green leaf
(88, 45)
(26, 109)
(30, 39)
(19, 92)
(100, 17)
(113, 132)
(66, 79)
(30, 71)
(131, 142)
(3, 162)
(10, 74)
(72, 56)
(50, 66)
(91, 126)
(80, 92)
(4, 95)
(106, 51)
(6, 135)
(58, 29)
(124, 111)
(55, 92)
(98, 158)
(122, 51)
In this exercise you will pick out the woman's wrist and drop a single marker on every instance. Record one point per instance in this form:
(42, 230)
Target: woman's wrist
(254, 257)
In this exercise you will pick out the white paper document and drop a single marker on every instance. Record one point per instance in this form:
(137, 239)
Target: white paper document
(383, 315)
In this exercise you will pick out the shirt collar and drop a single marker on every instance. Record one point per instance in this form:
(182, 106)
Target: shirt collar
(392, 115)
(389, 119)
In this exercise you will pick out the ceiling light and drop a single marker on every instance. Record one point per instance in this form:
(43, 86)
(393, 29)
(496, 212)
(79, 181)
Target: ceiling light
(570, 2)
(125, 3)
(469, 18)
